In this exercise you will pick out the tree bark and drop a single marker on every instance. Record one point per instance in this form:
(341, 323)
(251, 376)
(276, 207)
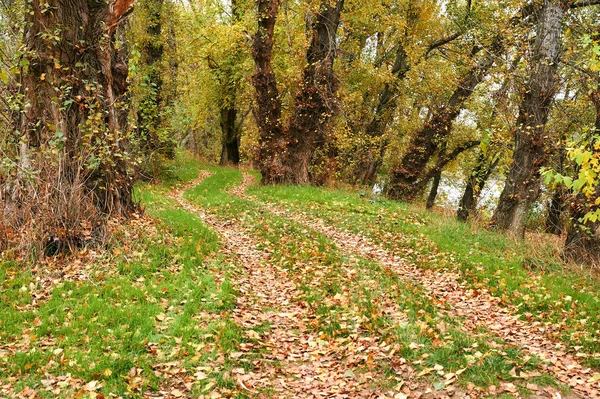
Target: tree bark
(405, 175)
(71, 133)
(523, 181)
(316, 101)
(272, 141)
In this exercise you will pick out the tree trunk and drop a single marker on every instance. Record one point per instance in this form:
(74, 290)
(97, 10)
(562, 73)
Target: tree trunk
(475, 184)
(70, 125)
(285, 154)
(583, 239)
(230, 153)
(151, 123)
(523, 181)
(229, 81)
(272, 141)
(404, 177)
(434, 190)
(315, 103)
(556, 206)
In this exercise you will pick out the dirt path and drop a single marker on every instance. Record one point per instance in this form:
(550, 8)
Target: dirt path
(477, 307)
(294, 361)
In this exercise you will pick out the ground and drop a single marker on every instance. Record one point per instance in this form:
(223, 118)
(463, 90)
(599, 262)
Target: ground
(224, 288)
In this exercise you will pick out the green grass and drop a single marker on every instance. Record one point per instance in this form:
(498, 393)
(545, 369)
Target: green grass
(322, 271)
(158, 300)
(154, 303)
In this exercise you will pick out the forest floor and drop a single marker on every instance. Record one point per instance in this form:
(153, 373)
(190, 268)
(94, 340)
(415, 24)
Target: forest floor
(224, 288)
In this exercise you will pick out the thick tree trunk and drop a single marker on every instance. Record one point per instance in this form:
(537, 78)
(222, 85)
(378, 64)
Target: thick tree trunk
(71, 126)
(272, 141)
(404, 178)
(475, 184)
(285, 154)
(315, 103)
(523, 181)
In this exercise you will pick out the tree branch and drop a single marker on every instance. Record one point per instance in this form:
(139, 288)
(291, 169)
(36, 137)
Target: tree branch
(443, 41)
(450, 157)
(584, 3)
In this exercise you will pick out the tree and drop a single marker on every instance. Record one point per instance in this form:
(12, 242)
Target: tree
(229, 79)
(475, 184)
(582, 244)
(72, 168)
(286, 152)
(409, 176)
(151, 91)
(523, 181)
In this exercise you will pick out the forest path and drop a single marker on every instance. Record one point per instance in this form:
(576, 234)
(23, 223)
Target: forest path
(478, 308)
(294, 360)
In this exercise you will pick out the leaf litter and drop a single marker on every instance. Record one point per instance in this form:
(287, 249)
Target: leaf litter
(477, 308)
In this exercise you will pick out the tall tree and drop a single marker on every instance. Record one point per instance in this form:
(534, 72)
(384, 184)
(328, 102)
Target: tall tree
(523, 181)
(71, 140)
(273, 140)
(152, 108)
(287, 152)
(231, 121)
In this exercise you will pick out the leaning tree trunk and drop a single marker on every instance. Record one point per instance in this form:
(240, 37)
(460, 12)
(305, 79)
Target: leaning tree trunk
(435, 186)
(437, 178)
(523, 181)
(70, 125)
(315, 103)
(475, 184)
(272, 140)
(405, 175)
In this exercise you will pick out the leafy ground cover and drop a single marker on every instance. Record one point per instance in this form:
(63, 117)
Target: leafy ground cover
(214, 294)
(567, 302)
